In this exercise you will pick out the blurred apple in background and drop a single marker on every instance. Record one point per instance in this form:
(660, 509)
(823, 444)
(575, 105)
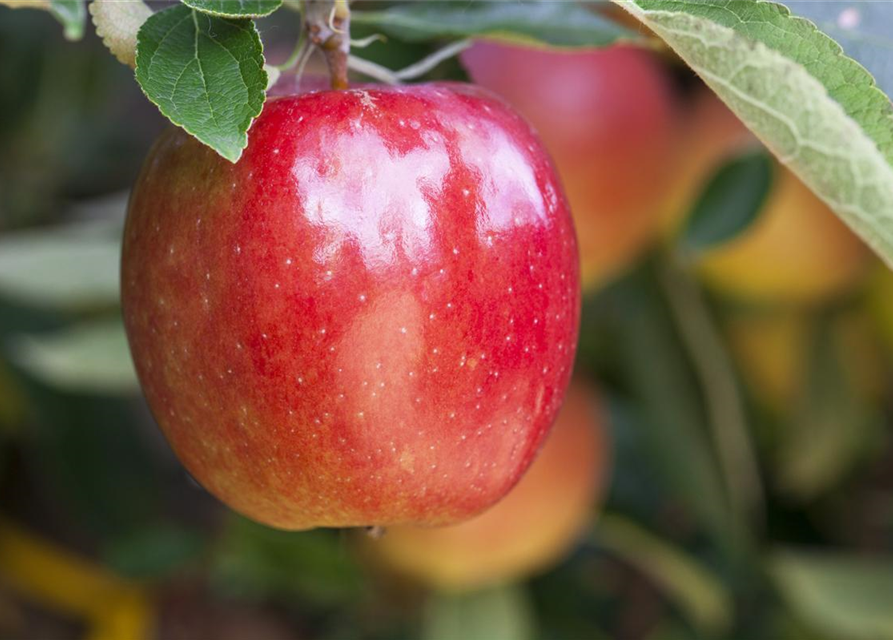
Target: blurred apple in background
(775, 350)
(608, 118)
(531, 528)
(709, 134)
(797, 251)
(819, 377)
(771, 349)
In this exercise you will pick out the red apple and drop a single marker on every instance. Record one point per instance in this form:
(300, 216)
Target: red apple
(608, 118)
(370, 319)
(535, 525)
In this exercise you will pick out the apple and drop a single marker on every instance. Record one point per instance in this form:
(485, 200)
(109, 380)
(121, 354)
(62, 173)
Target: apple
(608, 117)
(370, 319)
(775, 350)
(532, 528)
(771, 348)
(797, 251)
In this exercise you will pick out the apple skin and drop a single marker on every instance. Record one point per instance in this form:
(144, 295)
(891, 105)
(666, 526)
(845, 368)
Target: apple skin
(608, 117)
(533, 527)
(370, 319)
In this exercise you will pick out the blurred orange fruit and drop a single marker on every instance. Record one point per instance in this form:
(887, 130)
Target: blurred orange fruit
(531, 528)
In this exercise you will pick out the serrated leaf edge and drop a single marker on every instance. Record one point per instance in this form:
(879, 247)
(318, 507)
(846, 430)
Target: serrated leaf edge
(875, 226)
(219, 14)
(234, 158)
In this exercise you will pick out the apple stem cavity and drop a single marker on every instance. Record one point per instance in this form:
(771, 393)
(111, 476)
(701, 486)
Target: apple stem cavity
(327, 23)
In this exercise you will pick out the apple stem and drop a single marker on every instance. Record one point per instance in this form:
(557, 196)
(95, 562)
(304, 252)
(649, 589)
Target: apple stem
(327, 23)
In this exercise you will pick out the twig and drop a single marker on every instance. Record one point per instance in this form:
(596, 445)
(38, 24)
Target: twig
(420, 68)
(328, 24)
(372, 70)
(425, 65)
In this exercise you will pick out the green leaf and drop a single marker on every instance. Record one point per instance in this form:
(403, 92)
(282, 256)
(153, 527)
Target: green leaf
(257, 562)
(835, 423)
(153, 552)
(87, 358)
(235, 8)
(847, 596)
(669, 411)
(730, 202)
(692, 587)
(72, 14)
(68, 268)
(725, 412)
(863, 28)
(538, 22)
(500, 613)
(205, 74)
(819, 111)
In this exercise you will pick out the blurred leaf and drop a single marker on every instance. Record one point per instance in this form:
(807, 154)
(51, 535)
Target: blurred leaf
(235, 8)
(669, 410)
(253, 561)
(726, 417)
(70, 268)
(880, 304)
(500, 613)
(72, 14)
(98, 462)
(87, 358)
(698, 593)
(535, 22)
(153, 551)
(672, 630)
(863, 28)
(204, 73)
(730, 202)
(785, 624)
(819, 111)
(847, 596)
(13, 404)
(834, 423)
(65, 583)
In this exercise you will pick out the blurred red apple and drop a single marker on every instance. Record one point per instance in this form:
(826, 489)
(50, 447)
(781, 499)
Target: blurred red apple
(607, 117)
(533, 527)
(370, 319)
